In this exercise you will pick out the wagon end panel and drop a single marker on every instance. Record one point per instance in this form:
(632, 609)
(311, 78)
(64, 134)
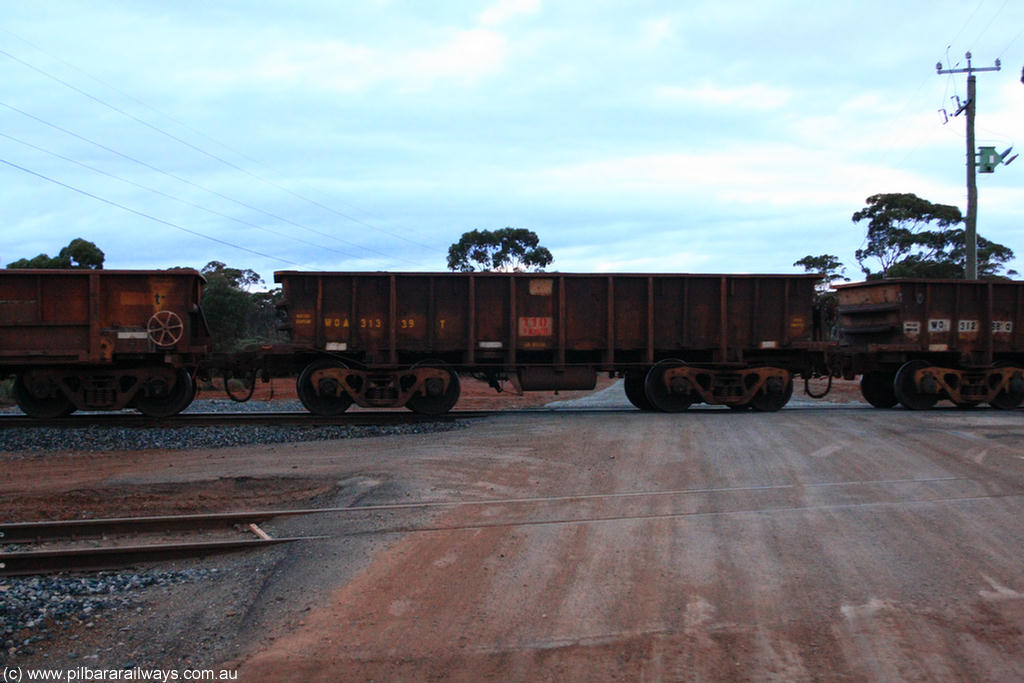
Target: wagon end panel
(872, 314)
(149, 312)
(44, 315)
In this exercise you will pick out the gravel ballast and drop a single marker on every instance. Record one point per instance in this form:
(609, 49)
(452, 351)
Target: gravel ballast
(93, 438)
(34, 608)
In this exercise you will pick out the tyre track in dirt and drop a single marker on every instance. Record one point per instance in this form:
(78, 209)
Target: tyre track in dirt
(857, 545)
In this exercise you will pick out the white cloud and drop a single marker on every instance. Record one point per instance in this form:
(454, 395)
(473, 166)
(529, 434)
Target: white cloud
(657, 31)
(462, 56)
(466, 55)
(505, 10)
(755, 96)
(778, 175)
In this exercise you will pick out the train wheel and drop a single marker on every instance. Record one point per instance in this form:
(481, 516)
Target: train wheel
(171, 401)
(773, 396)
(877, 389)
(634, 385)
(437, 400)
(908, 394)
(674, 399)
(329, 401)
(1008, 400)
(966, 405)
(44, 408)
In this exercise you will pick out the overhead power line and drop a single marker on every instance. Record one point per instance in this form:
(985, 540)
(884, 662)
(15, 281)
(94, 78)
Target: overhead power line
(189, 182)
(148, 216)
(173, 198)
(207, 153)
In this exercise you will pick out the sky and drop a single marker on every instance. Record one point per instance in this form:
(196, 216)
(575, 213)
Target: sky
(703, 137)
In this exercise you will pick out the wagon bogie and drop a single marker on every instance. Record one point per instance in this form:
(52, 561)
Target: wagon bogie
(672, 386)
(919, 385)
(328, 387)
(157, 390)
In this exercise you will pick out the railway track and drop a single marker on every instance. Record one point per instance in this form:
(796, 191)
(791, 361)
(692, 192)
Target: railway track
(113, 542)
(368, 418)
(95, 544)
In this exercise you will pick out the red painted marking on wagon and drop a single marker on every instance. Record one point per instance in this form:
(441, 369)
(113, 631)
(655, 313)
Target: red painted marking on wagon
(535, 327)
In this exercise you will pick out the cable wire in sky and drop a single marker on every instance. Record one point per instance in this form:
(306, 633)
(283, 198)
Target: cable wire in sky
(177, 199)
(148, 216)
(977, 40)
(965, 24)
(205, 152)
(191, 183)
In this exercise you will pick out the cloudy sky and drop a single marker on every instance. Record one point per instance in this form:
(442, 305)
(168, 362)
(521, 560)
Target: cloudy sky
(632, 137)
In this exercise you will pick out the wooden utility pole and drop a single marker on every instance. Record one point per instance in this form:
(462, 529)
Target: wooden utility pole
(971, 227)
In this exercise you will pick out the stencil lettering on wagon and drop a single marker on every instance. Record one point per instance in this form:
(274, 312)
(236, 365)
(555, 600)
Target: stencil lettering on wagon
(911, 328)
(535, 327)
(1002, 326)
(938, 325)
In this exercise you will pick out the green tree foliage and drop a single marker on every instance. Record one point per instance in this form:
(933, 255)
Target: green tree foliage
(79, 253)
(828, 266)
(235, 315)
(911, 237)
(508, 249)
(831, 270)
(263, 319)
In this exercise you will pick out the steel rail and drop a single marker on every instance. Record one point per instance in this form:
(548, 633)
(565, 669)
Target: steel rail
(113, 557)
(97, 558)
(73, 529)
(26, 532)
(356, 419)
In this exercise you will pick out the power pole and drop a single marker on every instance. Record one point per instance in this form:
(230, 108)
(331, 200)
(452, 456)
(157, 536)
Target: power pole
(971, 227)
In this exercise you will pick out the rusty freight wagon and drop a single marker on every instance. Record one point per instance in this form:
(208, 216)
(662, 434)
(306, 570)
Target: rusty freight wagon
(393, 339)
(915, 342)
(101, 339)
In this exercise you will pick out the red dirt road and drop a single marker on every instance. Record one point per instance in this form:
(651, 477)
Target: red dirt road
(810, 545)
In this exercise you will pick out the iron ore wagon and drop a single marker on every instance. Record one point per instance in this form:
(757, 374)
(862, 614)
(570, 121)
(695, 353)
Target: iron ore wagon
(101, 339)
(915, 342)
(394, 339)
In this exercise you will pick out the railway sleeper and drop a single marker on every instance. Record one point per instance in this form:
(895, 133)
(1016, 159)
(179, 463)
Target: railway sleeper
(1000, 386)
(764, 388)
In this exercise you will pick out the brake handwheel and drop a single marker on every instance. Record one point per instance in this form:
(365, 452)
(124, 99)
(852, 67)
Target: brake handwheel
(165, 328)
